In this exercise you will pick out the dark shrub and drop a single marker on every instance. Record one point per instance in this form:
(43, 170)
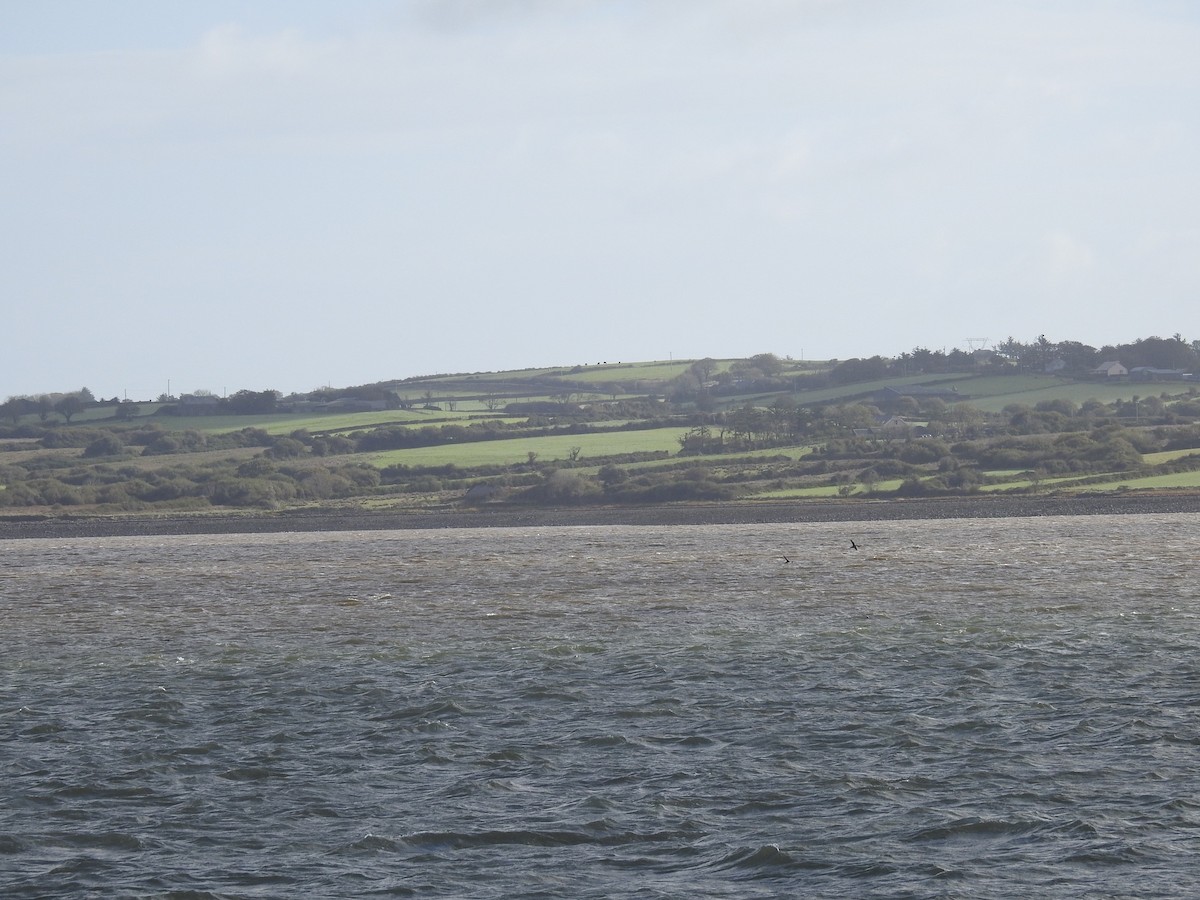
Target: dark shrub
(107, 444)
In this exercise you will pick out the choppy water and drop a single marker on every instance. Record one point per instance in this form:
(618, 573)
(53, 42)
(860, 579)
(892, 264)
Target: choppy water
(959, 709)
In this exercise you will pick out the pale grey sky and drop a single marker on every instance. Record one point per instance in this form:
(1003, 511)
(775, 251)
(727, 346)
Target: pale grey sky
(228, 195)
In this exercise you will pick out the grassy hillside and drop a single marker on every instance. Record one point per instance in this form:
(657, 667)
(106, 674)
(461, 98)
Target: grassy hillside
(636, 432)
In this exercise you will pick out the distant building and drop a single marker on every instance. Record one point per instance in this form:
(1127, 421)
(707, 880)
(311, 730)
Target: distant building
(1149, 373)
(1112, 369)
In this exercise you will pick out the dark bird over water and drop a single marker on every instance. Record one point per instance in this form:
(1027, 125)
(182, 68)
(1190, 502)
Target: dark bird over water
(786, 560)
(853, 546)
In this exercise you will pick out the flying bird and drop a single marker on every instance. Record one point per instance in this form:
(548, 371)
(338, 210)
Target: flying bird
(853, 546)
(785, 559)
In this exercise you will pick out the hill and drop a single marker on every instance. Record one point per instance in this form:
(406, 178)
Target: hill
(757, 430)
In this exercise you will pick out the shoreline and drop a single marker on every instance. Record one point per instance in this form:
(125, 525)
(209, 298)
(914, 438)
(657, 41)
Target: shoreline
(727, 513)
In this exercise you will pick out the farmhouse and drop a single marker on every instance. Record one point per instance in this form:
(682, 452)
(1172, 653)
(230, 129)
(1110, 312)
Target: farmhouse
(1111, 369)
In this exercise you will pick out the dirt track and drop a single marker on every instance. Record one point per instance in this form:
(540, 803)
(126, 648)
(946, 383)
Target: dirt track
(682, 514)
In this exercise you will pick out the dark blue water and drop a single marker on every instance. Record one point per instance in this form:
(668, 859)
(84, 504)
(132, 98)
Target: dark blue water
(959, 709)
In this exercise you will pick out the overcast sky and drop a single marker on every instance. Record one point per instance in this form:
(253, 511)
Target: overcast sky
(228, 195)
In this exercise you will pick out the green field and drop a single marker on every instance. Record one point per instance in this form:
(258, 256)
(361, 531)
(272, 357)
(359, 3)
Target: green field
(989, 393)
(839, 394)
(1177, 480)
(603, 373)
(1165, 456)
(547, 448)
(286, 423)
(993, 393)
(651, 371)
